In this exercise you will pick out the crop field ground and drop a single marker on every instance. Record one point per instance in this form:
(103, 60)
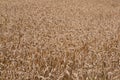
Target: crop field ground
(59, 39)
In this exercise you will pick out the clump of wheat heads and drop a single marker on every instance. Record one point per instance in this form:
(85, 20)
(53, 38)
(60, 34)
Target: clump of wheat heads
(59, 40)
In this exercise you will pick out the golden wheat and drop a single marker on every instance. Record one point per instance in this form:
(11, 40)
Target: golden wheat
(59, 40)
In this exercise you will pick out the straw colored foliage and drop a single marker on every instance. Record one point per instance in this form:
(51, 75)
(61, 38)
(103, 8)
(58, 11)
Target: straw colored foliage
(59, 39)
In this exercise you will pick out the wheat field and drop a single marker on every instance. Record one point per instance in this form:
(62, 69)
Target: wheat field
(59, 39)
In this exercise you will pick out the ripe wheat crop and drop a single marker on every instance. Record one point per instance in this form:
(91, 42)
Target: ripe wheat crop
(59, 39)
